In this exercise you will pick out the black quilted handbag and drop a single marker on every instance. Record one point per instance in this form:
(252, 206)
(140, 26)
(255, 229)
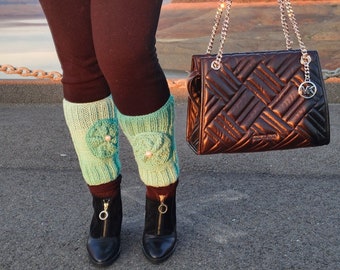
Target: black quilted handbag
(256, 101)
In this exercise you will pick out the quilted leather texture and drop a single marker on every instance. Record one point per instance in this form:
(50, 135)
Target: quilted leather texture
(252, 103)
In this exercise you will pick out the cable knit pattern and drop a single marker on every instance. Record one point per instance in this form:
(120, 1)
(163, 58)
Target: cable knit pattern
(153, 148)
(153, 142)
(94, 131)
(102, 138)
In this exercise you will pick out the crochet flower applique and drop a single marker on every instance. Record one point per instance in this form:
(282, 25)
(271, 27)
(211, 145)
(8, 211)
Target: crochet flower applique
(152, 148)
(102, 138)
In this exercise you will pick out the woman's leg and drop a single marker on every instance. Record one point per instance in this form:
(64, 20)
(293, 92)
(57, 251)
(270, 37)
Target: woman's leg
(70, 25)
(88, 107)
(91, 118)
(124, 38)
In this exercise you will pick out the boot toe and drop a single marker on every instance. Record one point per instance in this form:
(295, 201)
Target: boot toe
(103, 251)
(158, 248)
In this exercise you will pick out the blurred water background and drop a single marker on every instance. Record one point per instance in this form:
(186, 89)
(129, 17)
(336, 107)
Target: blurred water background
(25, 40)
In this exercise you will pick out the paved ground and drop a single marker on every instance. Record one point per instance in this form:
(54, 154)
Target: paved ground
(277, 210)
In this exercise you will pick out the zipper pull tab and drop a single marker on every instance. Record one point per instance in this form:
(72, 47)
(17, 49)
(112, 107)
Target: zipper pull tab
(162, 208)
(103, 215)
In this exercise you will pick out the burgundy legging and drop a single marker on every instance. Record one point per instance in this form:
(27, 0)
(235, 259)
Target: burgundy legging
(108, 46)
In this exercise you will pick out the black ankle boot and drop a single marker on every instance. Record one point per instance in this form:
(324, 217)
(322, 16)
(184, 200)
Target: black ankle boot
(160, 237)
(103, 244)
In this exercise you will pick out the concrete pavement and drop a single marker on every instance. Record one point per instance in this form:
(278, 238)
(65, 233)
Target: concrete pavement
(277, 210)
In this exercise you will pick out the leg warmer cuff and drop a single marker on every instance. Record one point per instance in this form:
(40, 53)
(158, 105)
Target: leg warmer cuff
(153, 142)
(94, 131)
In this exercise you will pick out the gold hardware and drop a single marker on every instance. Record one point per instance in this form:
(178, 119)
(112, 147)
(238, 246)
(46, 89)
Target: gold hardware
(162, 209)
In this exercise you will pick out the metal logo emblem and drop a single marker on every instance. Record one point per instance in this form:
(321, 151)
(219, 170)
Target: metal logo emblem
(307, 89)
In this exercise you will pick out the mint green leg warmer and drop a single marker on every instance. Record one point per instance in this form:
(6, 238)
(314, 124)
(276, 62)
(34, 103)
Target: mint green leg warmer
(94, 131)
(153, 142)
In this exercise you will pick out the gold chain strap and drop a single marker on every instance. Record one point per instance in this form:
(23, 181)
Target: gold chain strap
(224, 6)
(217, 21)
(307, 89)
(286, 10)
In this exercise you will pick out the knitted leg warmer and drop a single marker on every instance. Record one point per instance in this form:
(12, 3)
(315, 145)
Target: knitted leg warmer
(94, 131)
(152, 139)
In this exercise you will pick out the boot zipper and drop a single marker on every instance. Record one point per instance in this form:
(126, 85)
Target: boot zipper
(103, 215)
(162, 209)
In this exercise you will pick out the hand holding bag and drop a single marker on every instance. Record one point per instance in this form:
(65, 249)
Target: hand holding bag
(256, 101)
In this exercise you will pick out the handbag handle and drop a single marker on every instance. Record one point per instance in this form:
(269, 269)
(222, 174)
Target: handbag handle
(307, 89)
